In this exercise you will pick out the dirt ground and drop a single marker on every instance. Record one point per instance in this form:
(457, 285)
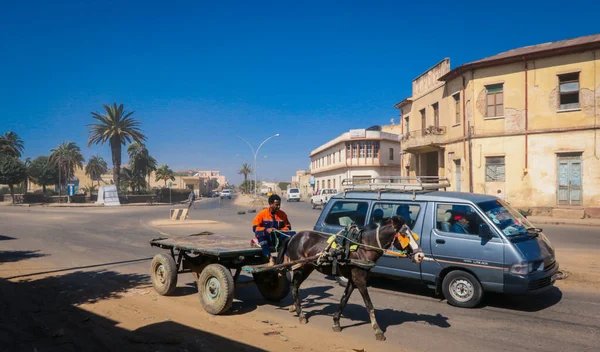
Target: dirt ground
(111, 311)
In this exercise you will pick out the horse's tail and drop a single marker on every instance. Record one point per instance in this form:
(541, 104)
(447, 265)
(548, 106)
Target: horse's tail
(282, 250)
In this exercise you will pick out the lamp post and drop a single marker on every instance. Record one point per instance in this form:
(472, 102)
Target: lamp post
(255, 153)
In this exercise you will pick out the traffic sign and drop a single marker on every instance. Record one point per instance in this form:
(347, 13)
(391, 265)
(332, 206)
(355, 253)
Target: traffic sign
(71, 189)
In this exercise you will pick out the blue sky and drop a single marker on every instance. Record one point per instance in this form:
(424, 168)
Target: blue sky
(199, 73)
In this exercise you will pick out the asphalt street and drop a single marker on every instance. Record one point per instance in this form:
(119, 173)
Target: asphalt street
(562, 319)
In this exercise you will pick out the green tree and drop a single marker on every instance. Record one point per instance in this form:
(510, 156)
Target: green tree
(141, 162)
(95, 168)
(245, 170)
(11, 144)
(164, 173)
(117, 127)
(67, 156)
(12, 171)
(42, 172)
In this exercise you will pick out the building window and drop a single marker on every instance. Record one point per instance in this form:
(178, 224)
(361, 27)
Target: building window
(457, 108)
(407, 124)
(376, 149)
(391, 153)
(423, 121)
(328, 183)
(568, 91)
(333, 183)
(494, 169)
(361, 146)
(369, 149)
(495, 100)
(348, 150)
(340, 156)
(436, 114)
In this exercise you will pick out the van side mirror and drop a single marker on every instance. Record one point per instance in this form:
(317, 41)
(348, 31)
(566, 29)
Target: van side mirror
(485, 231)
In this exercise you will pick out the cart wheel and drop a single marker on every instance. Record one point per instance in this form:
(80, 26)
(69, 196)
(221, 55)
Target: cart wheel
(215, 287)
(273, 286)
(163, 271)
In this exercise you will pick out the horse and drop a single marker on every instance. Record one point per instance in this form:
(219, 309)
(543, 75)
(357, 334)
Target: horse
(376, 239)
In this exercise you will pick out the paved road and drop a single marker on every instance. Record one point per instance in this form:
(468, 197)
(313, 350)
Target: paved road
(562, 319)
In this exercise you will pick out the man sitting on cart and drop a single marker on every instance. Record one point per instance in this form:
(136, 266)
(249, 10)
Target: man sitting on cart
(269, 224)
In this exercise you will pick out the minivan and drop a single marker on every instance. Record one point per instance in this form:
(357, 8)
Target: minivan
(293, 194)
(473, 243)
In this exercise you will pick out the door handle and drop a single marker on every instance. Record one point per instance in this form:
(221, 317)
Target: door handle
(440, 241)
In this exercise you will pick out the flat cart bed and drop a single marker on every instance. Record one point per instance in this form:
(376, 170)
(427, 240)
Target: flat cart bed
(212, 259)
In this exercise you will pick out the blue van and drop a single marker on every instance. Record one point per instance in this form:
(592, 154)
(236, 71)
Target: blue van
(473, 243)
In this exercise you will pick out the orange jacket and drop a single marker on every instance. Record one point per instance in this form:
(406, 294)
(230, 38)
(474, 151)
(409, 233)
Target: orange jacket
(264, 220)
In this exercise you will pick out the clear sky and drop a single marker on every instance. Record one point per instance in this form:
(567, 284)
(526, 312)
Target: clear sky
(199, 73)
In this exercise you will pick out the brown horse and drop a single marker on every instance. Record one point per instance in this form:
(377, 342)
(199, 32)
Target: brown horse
(375, 241)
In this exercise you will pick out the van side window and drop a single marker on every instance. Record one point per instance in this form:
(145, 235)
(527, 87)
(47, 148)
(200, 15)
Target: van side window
(458, 218)
(409, 212)
(344, 213)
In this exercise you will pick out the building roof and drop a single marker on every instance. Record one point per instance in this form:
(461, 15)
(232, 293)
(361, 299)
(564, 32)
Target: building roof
(531, 52)
(403, 103)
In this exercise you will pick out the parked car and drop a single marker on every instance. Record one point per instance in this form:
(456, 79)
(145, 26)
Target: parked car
(293, 194)
(226, 193)
(322, 197)
(473, 243)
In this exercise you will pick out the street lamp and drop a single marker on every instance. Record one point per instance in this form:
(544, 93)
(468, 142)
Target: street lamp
(255, 153)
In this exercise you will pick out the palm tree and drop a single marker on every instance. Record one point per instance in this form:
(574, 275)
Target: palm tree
(142, 163)
(165, 174)
(116, 127)
(67, 156)
(11, 144)
(245, 170)
(95, 168)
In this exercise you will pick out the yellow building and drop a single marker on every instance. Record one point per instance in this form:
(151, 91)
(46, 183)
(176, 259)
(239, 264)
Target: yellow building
(524, 122)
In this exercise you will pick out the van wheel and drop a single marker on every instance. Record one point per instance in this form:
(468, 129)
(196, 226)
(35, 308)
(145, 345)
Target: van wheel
(462, 289)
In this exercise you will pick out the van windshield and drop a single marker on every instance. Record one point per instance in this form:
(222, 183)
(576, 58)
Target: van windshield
(508, 220)
(294, 190)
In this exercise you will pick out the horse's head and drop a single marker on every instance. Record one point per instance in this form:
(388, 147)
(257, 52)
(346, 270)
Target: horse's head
(405, 239)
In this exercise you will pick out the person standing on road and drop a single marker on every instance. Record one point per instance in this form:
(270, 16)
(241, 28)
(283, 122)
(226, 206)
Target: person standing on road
(266, 222)
(191, 199)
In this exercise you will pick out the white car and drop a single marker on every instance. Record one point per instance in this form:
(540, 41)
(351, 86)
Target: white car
(226, 193)
(293, 194)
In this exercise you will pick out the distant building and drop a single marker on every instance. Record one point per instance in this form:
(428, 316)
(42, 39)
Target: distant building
(357, 155)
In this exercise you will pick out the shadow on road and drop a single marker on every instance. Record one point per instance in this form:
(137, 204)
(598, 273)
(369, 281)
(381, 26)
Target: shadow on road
(15, 256)
(43, 314)
(6, 238)
(524, 303)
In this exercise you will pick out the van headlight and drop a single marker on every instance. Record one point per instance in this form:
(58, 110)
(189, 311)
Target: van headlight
(521, 268)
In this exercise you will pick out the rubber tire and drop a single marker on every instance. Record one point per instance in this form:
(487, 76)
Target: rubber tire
(170, 268)
(272, 287)
(224, 301)
(313, 205)
(342, 281)
(477, 290)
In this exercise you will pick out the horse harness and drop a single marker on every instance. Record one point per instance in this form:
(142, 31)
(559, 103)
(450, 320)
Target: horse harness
(339, 247)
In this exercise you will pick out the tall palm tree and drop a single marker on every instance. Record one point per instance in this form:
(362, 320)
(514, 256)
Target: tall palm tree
(95, 168)
(141, 162)
(116, 127)
(67, 156)
(165, 174)
(245, 170)
(11, 144)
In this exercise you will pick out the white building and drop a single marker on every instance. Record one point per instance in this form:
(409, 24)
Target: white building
(357, 154)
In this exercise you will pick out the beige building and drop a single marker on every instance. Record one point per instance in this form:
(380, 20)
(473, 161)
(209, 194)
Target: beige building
(524, 122)
(355, 155)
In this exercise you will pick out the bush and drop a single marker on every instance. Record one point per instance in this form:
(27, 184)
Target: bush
(1, 196)
(34, 198)
(525, 213)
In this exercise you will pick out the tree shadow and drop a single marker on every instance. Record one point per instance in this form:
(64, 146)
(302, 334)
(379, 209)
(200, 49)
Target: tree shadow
(6, 238)
(43, 314)
(15, 256)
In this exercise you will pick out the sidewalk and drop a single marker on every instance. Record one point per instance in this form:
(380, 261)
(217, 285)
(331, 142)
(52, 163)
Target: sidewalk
(548, 220)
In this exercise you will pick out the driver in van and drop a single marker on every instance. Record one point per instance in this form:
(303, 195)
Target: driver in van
(461, 224)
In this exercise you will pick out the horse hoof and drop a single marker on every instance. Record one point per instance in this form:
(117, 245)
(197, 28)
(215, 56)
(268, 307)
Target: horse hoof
(303, 320)
(380, 337)
(337, 328)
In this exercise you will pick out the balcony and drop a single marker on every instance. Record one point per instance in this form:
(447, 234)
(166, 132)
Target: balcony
(427, 140)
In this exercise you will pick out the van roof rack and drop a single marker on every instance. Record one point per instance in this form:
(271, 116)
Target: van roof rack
(395, 184)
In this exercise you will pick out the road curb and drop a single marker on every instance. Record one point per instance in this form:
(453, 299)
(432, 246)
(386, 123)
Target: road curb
(562, 223)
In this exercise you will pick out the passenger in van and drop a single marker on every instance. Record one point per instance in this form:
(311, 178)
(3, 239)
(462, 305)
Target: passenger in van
(404, 212)
(461, 224)
(377, 216)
